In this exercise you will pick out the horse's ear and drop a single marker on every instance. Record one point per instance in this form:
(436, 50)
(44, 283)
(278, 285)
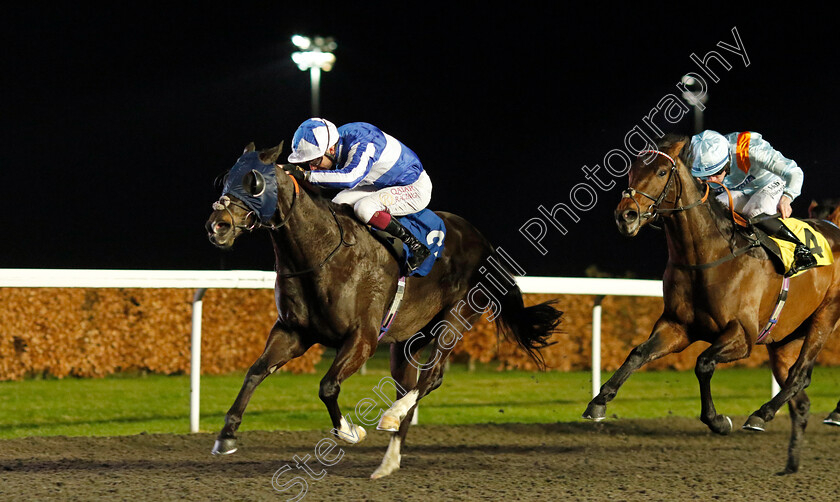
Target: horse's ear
(270, 156)
(250, 147)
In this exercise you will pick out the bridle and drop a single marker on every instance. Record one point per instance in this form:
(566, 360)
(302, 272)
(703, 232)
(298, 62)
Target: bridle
(654, 210)
(224, 203)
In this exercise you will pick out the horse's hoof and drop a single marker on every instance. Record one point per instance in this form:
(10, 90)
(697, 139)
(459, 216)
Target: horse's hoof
(359, 434)
(832, 419)
(722, 425)
(595, 412)
(224, 446)
(754, 423)
(388, 423)
(387, 467)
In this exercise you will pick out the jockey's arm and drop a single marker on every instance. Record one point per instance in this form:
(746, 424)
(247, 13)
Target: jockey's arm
(358, 165)
(772, 160)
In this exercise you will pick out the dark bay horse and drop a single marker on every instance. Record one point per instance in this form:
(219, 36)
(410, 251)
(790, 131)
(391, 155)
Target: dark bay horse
(335, 282)
(720, 290)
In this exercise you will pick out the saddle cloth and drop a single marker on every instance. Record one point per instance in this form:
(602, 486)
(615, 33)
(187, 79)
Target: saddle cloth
(428, 228)
(813, 240)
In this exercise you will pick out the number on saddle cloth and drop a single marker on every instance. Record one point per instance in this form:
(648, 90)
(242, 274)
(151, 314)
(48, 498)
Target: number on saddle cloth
(783, 250)
(428, 228)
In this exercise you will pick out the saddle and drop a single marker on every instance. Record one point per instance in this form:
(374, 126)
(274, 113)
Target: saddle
(428, 227)
(782, 251)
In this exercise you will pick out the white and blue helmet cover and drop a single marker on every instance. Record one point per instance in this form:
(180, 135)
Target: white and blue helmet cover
(312, 139)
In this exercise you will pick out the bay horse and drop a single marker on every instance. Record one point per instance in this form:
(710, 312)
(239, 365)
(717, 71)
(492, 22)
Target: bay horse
(720, 289)
(336, 281)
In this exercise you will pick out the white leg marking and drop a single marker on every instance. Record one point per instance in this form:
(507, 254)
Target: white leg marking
(391, 461)
(351, 433)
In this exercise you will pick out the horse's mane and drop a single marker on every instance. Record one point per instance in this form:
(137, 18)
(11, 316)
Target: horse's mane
(322, 196)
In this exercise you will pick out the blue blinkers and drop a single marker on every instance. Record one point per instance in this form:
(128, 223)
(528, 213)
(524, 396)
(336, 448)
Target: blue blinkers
(255, 184)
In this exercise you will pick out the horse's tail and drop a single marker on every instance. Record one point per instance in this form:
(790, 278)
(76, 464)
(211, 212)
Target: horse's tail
(531, 327)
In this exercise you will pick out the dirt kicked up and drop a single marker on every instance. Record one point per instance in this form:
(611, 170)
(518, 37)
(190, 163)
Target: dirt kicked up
(618, 460)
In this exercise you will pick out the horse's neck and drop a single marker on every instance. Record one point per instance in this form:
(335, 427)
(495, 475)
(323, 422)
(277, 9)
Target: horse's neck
(695, 235)
(310, 233)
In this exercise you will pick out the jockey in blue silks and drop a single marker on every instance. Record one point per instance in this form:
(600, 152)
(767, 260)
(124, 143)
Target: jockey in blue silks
(379, 176)
(763, 182)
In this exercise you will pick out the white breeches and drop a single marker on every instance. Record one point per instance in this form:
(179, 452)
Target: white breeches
(397, 200)
(764, 200)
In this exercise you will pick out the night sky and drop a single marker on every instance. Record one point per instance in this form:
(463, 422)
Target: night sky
(115, 124)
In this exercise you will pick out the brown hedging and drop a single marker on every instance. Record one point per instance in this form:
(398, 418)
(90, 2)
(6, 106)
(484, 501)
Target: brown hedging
(96, 332)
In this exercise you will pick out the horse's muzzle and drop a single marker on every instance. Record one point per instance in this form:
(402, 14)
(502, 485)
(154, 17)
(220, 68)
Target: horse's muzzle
(628, 219)
(220, 232)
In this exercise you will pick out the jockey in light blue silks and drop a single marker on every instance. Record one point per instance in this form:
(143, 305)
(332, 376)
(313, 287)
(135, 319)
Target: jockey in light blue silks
(762, 182)
(380, 176)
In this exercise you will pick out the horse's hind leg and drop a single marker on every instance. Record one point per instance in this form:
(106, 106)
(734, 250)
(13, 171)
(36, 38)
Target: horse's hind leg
(822, 324)
(731, 345)
(405, 375)
(351, 356)
(282, 346)
(781, 359)
(667, 337)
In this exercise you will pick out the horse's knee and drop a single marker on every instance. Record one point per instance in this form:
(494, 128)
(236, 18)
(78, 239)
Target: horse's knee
(329, 390)
(704, 366)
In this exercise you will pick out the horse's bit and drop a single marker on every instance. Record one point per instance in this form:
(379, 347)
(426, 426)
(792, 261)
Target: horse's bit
(654, 211)
(224, 203)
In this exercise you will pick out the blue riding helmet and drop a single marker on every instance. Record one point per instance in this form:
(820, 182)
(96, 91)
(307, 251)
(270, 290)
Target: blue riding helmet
(710, 151)
(312, 139)
(255, 184)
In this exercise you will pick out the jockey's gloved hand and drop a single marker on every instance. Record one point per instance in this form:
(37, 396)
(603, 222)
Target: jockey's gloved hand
(296, 172)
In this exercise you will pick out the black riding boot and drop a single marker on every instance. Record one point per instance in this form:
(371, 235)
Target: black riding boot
(803, 259)
(419, 252)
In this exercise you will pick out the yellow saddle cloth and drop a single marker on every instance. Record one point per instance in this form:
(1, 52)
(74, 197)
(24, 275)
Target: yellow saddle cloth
(813, 240)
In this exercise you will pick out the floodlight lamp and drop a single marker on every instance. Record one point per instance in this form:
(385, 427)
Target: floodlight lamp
(301, 42)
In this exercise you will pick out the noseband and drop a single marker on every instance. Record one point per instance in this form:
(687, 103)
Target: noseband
(224, 203)
(654, 211)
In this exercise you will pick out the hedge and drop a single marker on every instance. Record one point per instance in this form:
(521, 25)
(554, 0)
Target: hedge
(97, 332)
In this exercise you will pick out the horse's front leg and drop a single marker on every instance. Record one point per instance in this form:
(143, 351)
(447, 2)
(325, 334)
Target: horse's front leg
(351, 356)
(667, 337)
(731, 345)
(282, 346)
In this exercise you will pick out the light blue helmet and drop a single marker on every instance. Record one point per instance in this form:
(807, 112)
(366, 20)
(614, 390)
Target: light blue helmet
(710, 153)
(312, 139)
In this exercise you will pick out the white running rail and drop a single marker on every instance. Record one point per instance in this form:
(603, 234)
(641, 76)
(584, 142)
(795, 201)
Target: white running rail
(202, 280)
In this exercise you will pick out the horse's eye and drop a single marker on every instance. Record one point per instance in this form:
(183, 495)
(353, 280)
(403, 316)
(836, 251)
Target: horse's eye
(662, 173)
(254, 183)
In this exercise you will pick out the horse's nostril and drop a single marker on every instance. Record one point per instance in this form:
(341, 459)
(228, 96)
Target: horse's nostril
(629, 215)
(218, 227)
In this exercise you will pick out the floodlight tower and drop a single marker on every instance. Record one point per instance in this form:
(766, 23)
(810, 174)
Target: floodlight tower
(692, 93)
(315, 55)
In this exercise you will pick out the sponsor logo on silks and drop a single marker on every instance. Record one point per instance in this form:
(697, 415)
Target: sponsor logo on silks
(813, 240)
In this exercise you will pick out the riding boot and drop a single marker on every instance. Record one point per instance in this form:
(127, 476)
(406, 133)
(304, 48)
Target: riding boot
(803, 259)
(419, 252)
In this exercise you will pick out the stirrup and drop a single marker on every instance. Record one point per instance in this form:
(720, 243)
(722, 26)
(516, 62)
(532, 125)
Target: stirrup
(417, 258)
(802, 260)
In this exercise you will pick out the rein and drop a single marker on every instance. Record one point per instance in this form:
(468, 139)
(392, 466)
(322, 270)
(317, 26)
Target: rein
(654, 211)
(225, 202)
